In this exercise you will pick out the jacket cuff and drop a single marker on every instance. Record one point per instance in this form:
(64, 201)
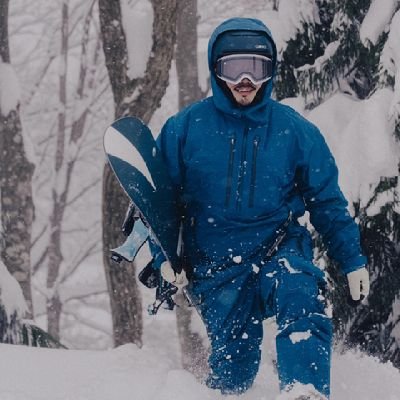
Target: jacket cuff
(353, 264)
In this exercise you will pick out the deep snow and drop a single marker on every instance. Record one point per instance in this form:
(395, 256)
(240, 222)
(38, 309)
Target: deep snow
(150, 373)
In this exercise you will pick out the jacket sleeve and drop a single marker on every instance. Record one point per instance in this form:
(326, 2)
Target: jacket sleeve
(170, 145)
(327, 206)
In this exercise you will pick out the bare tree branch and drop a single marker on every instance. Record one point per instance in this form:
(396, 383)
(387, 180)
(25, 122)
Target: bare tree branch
(39, 235)
(40, 261)
(90, 250)
(83, 297)
(83, 191)
(36, 85)
(85, 321)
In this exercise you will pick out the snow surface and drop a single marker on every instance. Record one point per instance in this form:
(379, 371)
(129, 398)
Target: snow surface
(137, 20)
(361, 140)
(150, 373)
(391, 61)
(359, 134)
(11, 296)
(377, 20)
(292, 15)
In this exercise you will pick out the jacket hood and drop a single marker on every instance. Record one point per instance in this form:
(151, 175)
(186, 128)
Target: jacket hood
(257, 112)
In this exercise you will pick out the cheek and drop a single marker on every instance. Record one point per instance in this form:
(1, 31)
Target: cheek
(231, 90)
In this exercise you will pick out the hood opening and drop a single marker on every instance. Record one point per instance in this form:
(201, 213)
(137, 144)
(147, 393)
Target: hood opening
(249, 35)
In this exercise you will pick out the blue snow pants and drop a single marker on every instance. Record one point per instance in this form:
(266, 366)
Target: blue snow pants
(236, 298)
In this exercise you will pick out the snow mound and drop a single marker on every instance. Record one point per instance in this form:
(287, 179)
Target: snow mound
(11, 297)
(130, 373)
(360, 137)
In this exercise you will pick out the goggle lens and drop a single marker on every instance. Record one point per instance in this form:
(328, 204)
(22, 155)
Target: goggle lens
(235, 67)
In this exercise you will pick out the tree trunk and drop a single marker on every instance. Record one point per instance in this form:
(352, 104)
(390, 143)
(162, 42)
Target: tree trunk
(194, 354)
(186, 53)
(16, 203)
(139, 97)
(4, 46)
(55, 257)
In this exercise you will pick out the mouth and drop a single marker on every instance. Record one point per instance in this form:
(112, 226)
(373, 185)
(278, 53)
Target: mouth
(244, 88)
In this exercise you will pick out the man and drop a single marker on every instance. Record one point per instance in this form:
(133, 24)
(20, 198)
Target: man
(247, 168)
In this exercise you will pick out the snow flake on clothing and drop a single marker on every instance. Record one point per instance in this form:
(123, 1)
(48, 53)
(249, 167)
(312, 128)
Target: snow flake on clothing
(297, 337)
(255, 268)
(287, 265)
(237, 259)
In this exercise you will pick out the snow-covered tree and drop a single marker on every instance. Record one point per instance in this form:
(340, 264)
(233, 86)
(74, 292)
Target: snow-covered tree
(16, 170)
(380, 217)
(12, 308)
(14, 329)
(350, 49)
(324, 52)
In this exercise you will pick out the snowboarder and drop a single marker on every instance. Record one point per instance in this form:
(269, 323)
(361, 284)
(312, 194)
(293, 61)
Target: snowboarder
(247, 168)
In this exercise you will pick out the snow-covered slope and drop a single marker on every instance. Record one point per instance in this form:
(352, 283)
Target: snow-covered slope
(148, 374)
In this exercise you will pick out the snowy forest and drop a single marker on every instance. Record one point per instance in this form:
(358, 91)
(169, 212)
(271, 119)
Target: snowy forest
(68, 68)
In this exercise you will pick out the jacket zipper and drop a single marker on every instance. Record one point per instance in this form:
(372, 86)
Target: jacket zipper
(230, 171)
(242, 170)
(256, 142)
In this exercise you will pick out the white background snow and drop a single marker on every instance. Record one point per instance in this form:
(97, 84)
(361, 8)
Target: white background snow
(356, 134)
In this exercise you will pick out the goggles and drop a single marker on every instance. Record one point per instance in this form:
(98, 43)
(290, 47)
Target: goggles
(235, 67)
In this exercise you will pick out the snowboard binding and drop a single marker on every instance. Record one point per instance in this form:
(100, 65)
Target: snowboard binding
(137, 234)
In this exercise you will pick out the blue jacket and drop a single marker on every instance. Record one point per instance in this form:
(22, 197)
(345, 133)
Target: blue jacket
(242, 170)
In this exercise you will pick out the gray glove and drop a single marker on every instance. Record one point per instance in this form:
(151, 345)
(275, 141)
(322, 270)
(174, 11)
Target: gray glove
(171, 276)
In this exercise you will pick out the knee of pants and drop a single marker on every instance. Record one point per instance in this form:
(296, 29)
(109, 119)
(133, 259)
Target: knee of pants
(233, 368)
(235, 351)
(298, 296)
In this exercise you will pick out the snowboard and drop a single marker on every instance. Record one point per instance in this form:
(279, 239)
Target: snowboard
(140, 169)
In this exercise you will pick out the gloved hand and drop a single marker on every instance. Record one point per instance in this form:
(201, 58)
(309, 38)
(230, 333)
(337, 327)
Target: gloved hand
(358, 283)
(171, 276)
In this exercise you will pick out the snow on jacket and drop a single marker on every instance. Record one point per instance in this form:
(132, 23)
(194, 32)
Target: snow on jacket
(242, 170)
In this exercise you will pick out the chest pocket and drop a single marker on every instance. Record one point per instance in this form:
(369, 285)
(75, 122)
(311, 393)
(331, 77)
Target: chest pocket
(271, 174)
